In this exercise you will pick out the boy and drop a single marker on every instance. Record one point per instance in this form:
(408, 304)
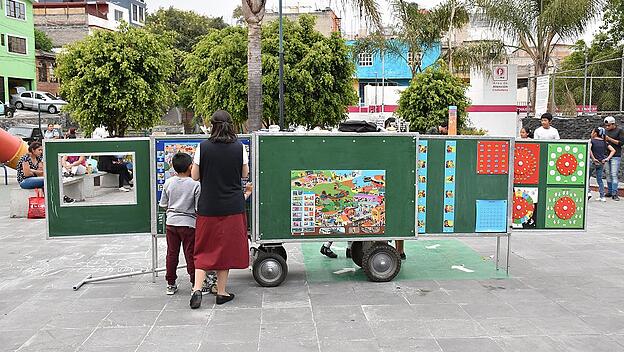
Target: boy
(546, 131)
(179, 196)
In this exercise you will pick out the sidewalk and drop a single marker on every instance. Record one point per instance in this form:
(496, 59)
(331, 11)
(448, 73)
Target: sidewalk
(565, 293)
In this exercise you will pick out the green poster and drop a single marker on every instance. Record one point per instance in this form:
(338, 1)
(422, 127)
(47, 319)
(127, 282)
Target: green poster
(565, 208)
(566, 164)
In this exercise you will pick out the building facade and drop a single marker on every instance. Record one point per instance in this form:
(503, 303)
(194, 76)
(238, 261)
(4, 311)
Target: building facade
(66, 22)
(46, 80)
(137, 10)
(17, 47)
(327, 22)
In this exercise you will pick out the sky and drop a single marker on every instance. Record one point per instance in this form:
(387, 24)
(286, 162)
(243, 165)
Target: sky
(350, 23)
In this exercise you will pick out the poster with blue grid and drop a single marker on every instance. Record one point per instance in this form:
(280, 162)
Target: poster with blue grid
(491, 216)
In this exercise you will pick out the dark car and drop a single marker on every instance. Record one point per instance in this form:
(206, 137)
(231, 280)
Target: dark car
(6, 110)
(28, 133)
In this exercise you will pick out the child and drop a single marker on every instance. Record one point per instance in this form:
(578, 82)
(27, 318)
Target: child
(525, 133)
(598, 154)
(179, 196)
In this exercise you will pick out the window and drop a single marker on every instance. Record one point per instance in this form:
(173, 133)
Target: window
(16, 9)
(118, 15)
(17, 45)
(365, 59)
(43, 72)
(141, 15)
(39, 96)
(135, 13)
(1, 39)
(26, 95)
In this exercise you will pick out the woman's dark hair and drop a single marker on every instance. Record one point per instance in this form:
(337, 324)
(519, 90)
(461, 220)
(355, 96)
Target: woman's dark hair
(181, 162)
(389, 121)
(34, 145)
(222, 127)
(601, 132)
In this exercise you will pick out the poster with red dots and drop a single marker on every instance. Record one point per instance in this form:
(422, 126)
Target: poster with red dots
(565, 208)
(492, 157)
(566, 164)
(526, 163)
(525, 207)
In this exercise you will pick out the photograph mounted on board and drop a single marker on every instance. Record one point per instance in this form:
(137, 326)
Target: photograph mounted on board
(338, 202)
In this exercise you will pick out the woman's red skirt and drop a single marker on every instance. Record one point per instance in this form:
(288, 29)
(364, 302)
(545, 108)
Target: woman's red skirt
(221, 242)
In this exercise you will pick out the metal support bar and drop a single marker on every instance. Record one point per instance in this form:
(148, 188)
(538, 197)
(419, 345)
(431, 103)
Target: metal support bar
(497, 250)
(508, 252)
(90, 278)
(622, 82)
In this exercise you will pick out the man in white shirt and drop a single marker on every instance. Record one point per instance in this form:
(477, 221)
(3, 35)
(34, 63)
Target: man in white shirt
(546, 131)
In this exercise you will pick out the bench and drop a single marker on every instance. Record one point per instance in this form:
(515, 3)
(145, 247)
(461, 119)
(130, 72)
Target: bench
(18, 199)
(81, 186)
(109, 180)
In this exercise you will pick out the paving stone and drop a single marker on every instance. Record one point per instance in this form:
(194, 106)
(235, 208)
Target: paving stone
(594, 343)
(455, 328)
(171, 334)
(287, 315)
(241, 332)
(439, 311)
(196, 317)
(56, 339)
(399, 330)
(350, 346)
(409, 345)
(117, 337)
(528, 344)
(339, 313)
(289, 331)
(211, 346)
(130, 319)
(478, 344)
(236, 315)
(509, 327)
(343, 330)
(13, 339)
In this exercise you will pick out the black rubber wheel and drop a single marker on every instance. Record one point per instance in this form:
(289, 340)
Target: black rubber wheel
(269, 269)
(52, 109)
(9, 114)
(19, 105)
(357, 252)
(280, 250)
(381, 262)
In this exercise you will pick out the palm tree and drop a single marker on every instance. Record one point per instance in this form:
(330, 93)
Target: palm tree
(253, 12)
(536, 26)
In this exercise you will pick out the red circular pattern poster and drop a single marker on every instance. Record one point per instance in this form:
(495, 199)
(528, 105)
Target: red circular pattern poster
(526, 163)
(567, 164)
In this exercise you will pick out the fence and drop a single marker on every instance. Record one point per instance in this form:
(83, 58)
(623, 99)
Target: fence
(597, 87)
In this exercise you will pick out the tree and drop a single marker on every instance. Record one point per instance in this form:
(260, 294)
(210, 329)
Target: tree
(184, 28)
(42, 41)
(118, 80)
(425, 102)
(613, 20)
(536, 26)
(253, 12)
(318, 74)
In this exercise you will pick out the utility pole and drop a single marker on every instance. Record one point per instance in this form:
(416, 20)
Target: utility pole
(281, 67)
(584, 83)
(622, 82)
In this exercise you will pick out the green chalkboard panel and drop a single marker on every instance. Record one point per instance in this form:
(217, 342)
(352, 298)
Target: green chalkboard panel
(381, 167)
(550, 185)
(95, 220)
(457, 176)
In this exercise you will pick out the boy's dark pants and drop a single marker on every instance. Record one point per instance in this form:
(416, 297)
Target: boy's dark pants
(176, 236)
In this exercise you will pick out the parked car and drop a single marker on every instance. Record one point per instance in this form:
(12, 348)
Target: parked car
(26, 132)
(6, 110)
(35, 100)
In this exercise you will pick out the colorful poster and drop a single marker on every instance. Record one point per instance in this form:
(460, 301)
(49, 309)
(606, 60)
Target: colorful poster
(525, 202)
(565, 208)
(338, 202)
(450, 158)
(422, 185)
(566, 164)
(491, 216)
(492, 157)
(527, 160)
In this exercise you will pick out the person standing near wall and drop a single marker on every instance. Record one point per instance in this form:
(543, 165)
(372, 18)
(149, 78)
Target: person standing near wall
(615, 138)
(546, 131)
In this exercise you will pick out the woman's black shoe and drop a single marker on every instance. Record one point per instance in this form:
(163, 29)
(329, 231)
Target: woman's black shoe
(328, 252)
(196, 299)
(403, 256)
(224, 299)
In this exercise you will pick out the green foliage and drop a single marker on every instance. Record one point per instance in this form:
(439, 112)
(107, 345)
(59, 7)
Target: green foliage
(317, 74)
(613, 19)
(605, 92)
(117, 79)
(42, 41)
(425, 102)
(472, 131)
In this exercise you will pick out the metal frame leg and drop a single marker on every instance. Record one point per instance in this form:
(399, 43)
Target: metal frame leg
(497, 251)
(508, 252)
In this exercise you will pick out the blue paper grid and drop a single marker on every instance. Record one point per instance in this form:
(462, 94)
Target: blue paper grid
(450, 156)
(423, 147)
(491, 216)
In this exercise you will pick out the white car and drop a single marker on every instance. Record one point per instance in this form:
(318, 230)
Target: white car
(38, 100)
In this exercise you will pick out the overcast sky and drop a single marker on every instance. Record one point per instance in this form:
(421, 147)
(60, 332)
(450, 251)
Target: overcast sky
(350, 23)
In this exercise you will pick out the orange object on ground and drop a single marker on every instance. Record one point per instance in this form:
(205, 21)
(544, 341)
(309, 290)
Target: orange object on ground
(12, 148)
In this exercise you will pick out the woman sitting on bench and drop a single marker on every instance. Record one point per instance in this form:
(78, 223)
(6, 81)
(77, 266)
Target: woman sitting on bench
(73, 165)
(114, 165)
(30, 167)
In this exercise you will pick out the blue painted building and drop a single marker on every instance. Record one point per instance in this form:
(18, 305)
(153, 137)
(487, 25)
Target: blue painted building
(394, 70)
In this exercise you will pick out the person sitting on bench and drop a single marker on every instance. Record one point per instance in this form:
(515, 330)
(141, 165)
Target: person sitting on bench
(73, 165)
(30, 167)
(113, 165)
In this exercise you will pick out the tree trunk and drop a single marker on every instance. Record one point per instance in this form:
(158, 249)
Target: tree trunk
(254, 78)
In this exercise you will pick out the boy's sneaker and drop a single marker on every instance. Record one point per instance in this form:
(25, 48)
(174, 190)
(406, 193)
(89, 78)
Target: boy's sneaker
(616, 197)
(172, 289)
(602, 199)
(124, 189)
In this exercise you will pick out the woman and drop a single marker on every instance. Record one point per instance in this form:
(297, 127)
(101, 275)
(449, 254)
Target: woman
(30, 167)
(113, 165)
(73, 165)
(598, 153)
(221, 230)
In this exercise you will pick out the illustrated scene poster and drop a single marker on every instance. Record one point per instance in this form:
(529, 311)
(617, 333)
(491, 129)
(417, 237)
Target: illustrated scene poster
(165, 150)
(338, 202)
(525, 203)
